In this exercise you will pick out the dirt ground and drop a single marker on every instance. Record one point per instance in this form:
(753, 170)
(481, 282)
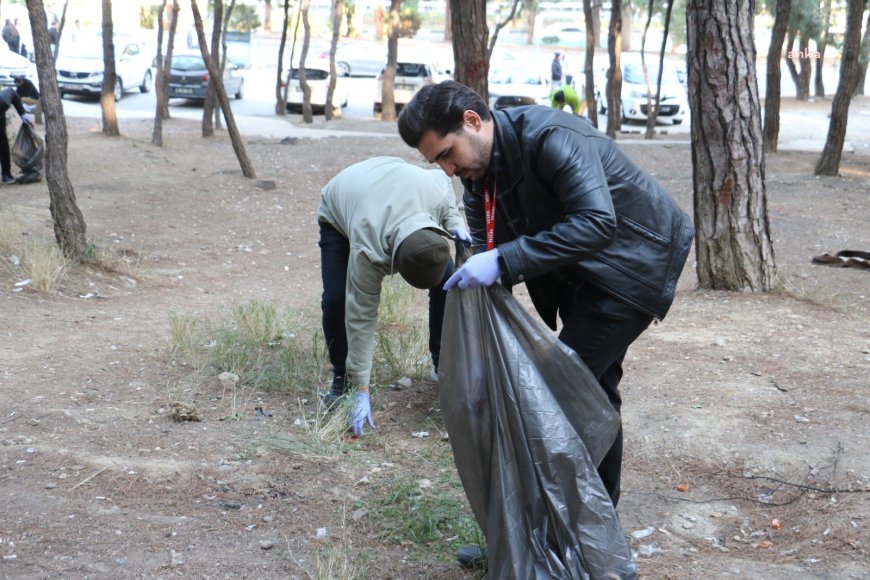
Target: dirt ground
(758, 406)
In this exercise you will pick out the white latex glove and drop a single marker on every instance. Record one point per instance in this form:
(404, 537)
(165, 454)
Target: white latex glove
(27, 118)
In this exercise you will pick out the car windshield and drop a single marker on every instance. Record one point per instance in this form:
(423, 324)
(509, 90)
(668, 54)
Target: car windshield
(188, 63)
(518, 77)
(634, 74)
(92, 49)
(311, 74)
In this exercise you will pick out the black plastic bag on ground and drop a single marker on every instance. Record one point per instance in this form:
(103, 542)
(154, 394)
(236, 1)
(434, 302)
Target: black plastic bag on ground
(528, 424)
(28, 150)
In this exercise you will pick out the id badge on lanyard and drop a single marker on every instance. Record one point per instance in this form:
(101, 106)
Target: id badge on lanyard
(489, 212)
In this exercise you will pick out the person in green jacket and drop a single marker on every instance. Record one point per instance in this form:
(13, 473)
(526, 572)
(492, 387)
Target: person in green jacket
(566, 94)
(380, 217)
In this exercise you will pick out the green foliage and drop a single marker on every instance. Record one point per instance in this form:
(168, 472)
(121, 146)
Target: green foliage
(411, 20)
(244, 18)
(148, 16)
(426, 517)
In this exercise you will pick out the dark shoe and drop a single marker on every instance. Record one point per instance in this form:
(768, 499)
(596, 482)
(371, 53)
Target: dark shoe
(336, 392)
(8, 179)
(471, 557)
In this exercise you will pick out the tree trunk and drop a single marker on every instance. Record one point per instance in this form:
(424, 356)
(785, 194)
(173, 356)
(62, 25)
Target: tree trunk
(829, 162)
(448, 30)
(531, 13)
(801, 78)
(470, 34)
(613, 91)
(732, 230)
(499, 26)
(235, 137)
(208, 105)
(774, 76)
(307, 113)
(388, 102)
(60, 27)
(596, 22)
(589, 64)
(328, 109)
(821, 46)
(651, 118)
(69, 225)
(626, 27)
(110, 79)
(160, 90)
(267, 17)
(280, 93)
(651, 111)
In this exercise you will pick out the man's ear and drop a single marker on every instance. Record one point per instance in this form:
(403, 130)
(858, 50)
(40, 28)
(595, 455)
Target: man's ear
(472, 119)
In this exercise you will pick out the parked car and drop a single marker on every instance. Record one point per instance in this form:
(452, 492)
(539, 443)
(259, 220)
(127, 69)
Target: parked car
(358, 59)
(317, 76)
(564, 35)
(515, 84)
(14, 65)
(188, 78)
(80, 67)
(411, 75)
(673, 102)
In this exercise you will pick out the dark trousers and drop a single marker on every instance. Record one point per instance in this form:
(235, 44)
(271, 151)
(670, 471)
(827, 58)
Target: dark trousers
(5, 156)
(334, 256)
(600, 328)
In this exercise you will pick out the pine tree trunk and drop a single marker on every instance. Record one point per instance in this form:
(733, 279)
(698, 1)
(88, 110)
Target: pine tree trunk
(235, 136)
(388, 101)
(328, 108)
(613, 91)
(829, 162)
(70, 230)
(470, 37)
(209, 103)
(160, 89)
(107, 97)
(774, 76)
(732, 239)
(307, 113)
(589, 64)
(863, 60)
(280, 99)
(821, 46)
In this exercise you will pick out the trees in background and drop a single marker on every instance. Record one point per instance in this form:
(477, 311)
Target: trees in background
(774, 76)
(470, 33)
(110, 79)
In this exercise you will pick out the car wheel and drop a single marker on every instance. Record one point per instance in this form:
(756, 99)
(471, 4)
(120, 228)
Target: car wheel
(119, 89)
(241, 92)
(147, 83)
(343, 69)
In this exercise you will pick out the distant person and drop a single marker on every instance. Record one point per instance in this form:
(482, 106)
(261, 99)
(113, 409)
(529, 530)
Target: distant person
(566, 95)
(26, 90)
(556, 70)
(11, 36)
(9, 98)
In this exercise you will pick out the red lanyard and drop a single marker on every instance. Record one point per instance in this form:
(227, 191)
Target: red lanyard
(489, 212)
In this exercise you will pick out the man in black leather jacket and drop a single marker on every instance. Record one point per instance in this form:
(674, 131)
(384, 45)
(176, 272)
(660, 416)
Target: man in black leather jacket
(597, 241)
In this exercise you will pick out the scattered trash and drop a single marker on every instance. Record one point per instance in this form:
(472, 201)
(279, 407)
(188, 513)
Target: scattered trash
(424, 483)
(648, 550)
(231, 506)
(765, 545)
(683, 487)
(646, 532)
(321, 533)
(801, 419)
(776, 524)
(23, 283)
(16, 261)
(259, 411)
(420, 434)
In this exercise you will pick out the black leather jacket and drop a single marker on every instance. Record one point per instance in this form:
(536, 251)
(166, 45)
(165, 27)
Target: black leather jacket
(571, 205)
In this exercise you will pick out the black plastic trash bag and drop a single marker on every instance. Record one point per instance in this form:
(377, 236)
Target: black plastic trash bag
(28, 150)
(528, 424)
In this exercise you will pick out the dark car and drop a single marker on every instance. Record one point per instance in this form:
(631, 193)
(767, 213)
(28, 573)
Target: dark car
(188, 78)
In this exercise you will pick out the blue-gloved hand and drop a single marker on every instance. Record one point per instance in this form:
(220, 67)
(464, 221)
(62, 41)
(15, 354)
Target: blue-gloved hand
(479, 270)
(462, 236)
(27, 118)
(361, 413)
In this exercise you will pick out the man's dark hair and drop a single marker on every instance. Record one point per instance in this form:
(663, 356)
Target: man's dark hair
(559, 97)
(439, 108)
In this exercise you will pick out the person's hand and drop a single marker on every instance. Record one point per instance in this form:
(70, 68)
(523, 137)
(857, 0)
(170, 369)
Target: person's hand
(462, 236)
(361, 413)
(479, 270)
(27, 118)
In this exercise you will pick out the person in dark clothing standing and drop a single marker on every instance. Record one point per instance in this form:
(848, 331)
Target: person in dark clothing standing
(11, 36)
(9, 98)
(556, 71)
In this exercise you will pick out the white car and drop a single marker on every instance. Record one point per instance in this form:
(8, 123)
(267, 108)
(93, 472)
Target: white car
(317, 77)
(673, 103)
(411, 76)
(80, 67)
(14, 65)
(515, 84)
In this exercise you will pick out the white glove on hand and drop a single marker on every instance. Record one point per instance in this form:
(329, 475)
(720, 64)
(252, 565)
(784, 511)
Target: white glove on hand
(361, 414)
(462, 236)
(27, 118)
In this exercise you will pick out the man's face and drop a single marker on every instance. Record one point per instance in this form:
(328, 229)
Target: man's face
(465, 153)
